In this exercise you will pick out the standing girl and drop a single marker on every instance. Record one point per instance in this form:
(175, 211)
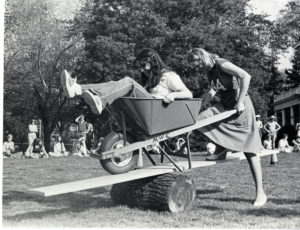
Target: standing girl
(32, 135)
(239, 132)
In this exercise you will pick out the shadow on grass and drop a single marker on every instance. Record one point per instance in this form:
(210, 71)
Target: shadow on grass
(60, 204)
(208, 191)
(274, 212)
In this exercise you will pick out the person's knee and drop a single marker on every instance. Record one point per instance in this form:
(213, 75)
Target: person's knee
(128, 79)
(205, 114)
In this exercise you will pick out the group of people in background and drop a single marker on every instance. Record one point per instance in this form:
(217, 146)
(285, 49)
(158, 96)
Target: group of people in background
(271, 128)
(36, 148)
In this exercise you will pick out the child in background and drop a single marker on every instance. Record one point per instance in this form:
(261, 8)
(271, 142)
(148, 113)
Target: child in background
(80, 148)
(268, 142)
(297, 144)
(37, 150)
(8, 146)
(59, 149)
(284, 146)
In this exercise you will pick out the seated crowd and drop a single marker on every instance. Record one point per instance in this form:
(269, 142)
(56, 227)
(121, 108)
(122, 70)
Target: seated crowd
(37, 149)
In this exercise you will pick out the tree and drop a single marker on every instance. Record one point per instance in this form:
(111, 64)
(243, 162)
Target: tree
(291, 21)
(293, 75)
(36, 50)
(114, 31)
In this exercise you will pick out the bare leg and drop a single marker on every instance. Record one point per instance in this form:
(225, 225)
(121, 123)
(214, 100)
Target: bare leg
(255, 167)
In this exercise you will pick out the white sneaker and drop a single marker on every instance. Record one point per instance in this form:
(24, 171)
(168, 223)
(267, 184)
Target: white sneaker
(69, 84)
(93, 101)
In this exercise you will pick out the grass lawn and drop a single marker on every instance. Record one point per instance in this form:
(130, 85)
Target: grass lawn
(225, 193)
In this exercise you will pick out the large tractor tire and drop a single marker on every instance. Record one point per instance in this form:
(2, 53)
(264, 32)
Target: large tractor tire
(120, 164)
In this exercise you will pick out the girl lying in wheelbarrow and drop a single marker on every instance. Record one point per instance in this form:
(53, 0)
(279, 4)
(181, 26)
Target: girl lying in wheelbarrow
(158, 81)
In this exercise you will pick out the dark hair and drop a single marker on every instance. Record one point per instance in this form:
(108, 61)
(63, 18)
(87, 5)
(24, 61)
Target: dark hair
(152, 79)
(284, 135)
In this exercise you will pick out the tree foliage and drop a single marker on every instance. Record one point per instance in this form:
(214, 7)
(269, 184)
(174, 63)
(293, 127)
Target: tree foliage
(36, 50)
(115, 30)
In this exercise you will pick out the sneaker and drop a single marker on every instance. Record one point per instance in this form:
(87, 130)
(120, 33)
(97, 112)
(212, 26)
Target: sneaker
(93, 101)
(217, 157)
(69, 84)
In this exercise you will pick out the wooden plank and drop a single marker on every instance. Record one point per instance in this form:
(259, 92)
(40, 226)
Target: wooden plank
(241, 155)
(167, 135)
(113, 179)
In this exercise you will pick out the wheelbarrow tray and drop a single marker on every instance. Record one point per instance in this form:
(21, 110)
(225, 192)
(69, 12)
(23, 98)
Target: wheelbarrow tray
(151, 117)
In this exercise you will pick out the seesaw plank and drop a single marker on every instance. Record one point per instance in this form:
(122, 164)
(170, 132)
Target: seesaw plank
(241, 155)
(113, 179)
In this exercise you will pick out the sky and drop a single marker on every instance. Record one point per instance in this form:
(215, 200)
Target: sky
(272, 8)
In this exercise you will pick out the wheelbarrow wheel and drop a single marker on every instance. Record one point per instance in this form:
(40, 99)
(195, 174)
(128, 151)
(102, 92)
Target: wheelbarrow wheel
(120, 164)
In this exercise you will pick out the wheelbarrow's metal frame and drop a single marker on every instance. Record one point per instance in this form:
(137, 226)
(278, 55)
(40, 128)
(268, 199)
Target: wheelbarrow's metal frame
(153, 140)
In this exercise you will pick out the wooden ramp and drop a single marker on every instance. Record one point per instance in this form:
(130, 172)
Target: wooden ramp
(132, 175)
(114, 179)
(241, 155)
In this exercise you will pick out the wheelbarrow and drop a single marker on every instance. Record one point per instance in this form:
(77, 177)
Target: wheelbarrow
(150, 123)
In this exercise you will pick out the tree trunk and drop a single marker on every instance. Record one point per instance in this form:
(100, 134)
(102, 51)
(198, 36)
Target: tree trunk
(47, 134)
(172, 192)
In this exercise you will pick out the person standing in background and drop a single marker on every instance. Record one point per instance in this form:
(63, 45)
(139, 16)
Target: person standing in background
(82, 125)
(32, 135)
(272, 127)
(259, 125)
(89, 135)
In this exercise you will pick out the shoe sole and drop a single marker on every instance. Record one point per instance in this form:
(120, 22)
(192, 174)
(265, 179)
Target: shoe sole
(63, 80)
(89, 99)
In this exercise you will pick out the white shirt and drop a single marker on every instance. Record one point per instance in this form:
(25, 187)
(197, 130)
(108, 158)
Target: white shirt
(268, 144)
(169, 82)
(59, 147)
(32, 128)
(211, 148)
(8, 146)
(259, 124)
(283, 143)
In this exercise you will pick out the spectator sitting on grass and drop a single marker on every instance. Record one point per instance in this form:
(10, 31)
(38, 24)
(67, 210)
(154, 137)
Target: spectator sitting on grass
(298, 129)
(80, 148)
(297, 144)
(59, 149)
(8, 146)
(37, 150)
(284, 146)
(268, 142)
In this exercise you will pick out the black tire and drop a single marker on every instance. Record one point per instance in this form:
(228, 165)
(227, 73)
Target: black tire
(117, 165)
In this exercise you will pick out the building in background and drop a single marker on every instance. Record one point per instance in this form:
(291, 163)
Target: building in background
(287, 107)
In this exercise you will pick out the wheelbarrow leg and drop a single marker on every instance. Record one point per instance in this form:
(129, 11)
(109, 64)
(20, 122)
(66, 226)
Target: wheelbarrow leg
(187, 141)
(170, 159)
(149, 157)
(124, 128)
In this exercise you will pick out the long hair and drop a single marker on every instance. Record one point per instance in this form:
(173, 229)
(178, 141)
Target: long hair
(207, 58)
(151, 78)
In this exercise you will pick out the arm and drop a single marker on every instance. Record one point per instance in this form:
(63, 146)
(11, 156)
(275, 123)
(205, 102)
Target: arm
(278, 127)
(207, 98)
(63, 147)
(180, 91)
(266, 128)
(244, 79)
